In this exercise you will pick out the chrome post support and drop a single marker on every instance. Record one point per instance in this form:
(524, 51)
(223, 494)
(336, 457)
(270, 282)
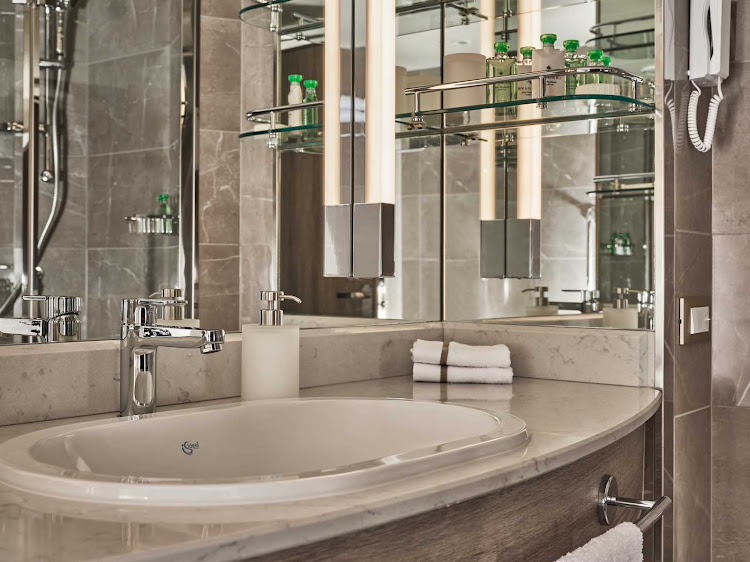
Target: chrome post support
(417, 121)
(273, 136)
(275, 19)
(542, 93)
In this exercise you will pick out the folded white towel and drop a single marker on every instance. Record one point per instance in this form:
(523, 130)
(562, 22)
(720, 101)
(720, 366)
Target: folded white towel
(491, 375)
(461, 355)
(624, 543)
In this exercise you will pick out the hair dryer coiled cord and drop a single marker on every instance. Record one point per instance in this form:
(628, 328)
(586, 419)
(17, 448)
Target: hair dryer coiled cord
(703, 145)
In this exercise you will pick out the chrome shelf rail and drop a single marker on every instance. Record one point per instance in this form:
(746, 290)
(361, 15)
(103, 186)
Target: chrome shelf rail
(417, 120)
(272, 112)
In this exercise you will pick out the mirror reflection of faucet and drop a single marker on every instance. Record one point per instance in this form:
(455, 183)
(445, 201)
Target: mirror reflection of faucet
(542, 306)
(588, 301)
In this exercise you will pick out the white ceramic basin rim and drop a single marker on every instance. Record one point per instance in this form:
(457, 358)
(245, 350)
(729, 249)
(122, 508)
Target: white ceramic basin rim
(253, 452)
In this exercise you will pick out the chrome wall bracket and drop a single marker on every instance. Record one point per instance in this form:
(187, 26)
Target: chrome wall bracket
(608, 502)
(374, 232)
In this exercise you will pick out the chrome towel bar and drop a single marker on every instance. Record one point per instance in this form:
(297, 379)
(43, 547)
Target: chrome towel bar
(608, 501)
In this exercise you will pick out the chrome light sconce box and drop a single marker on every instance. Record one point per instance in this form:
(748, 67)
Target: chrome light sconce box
(337, 251)
(374, 225)
(511, 249)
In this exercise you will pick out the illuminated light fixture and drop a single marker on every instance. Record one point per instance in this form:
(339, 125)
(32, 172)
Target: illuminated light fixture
(374, 220)
(337, 261)
(511, 246)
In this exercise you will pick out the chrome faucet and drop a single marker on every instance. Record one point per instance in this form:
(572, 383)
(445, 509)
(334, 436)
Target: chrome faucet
(59, 320)
(140, 337)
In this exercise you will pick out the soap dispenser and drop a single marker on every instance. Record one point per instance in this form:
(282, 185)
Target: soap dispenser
(270, 352)
(621, 316)
(541, 307)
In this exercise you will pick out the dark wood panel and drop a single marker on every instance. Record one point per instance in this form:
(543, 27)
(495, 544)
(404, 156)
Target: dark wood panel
(302, 219)
(535, 521)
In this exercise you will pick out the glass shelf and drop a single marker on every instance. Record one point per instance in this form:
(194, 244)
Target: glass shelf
(302, 20)
(525, 112)
(297, 139)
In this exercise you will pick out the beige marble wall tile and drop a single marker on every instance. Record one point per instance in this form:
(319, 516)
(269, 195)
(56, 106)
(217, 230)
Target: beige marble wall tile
(40, 382)
(574, 354)
(692, 486)
(220, 67)
(731, 486)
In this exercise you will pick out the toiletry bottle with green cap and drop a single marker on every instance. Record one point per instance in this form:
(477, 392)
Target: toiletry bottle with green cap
(572, 60)
(524, 89)
(310, 114)
(295, 97)
(614, 88)
(165, 210)
(549, 58)
(595, 59)
(501, 65)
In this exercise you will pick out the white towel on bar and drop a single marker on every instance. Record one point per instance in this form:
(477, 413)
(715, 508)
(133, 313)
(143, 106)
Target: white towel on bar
(490, 375)
(461, 355)
(624, 543)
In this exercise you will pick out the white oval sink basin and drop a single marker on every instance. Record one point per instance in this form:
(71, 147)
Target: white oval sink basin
(253, 452)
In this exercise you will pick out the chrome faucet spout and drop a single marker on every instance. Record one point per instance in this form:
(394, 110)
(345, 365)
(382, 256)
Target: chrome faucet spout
(140, 339)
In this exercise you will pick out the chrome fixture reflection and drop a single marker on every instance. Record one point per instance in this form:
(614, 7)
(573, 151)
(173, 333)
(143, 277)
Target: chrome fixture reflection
(588, 303)
(59, 320)
(140, 338)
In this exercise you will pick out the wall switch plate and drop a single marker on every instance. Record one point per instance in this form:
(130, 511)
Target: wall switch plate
(694, 322)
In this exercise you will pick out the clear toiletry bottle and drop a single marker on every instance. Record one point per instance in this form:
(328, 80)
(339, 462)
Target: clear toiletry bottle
(524, 90)
(270, 353)
(549, 58)
(613, 88)
(295, 97)
(572, 60)
(595, 59)
(501, 65)
(310, 114)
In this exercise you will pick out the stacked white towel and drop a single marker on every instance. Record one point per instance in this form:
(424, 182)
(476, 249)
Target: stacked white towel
(460, 363)
(624, 543)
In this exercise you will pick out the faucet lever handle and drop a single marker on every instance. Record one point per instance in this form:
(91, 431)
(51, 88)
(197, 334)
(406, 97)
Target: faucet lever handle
(55, 305)
(143, 311)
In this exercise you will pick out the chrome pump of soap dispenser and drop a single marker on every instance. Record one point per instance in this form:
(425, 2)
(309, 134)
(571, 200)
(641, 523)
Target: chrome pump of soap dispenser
(272, 315)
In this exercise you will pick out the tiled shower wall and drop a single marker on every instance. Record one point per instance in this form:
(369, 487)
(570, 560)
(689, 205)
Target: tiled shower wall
(236, 186)
(687, 369)
(731, 301)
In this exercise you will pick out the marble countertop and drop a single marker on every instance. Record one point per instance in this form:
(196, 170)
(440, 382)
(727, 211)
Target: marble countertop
(566, 421)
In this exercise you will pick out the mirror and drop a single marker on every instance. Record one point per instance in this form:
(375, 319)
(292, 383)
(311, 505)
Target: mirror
(117, 131)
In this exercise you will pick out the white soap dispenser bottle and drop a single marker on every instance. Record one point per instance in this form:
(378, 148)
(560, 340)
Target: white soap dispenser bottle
(621, 316)
(270, 353)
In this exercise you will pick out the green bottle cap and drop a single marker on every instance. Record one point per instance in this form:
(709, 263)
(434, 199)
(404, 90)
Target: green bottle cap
(548, 39)
(571, 45)
(595, 54)
(606, 61)
(295, 78)
(163, 198)
(526, 52)
(311, 83)
(502, 47)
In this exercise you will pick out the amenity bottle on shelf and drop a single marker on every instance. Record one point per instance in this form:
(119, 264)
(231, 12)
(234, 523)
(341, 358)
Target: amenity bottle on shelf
(572, 60)
(165, 210)
(549, 58)
(524, 90)
(501, 65)
(295, 96)
(595, 59)
(612, 87)
(310, 114)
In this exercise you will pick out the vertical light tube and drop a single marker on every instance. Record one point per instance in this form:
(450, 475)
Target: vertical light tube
(332, 97)
(529, 178)
(380, 108)
(487, 186)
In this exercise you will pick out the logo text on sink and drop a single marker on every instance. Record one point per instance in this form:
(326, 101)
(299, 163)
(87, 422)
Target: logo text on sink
(188, 447)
